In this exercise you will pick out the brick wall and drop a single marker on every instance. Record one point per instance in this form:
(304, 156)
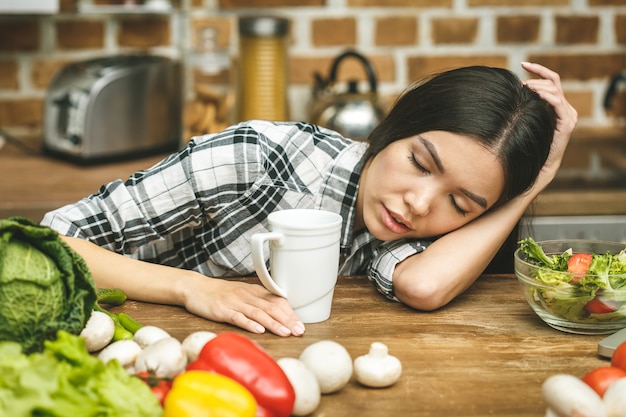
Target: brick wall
(585, 40)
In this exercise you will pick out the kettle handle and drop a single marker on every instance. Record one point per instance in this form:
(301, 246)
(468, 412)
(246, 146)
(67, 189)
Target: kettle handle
(368, 68)
(612, 89)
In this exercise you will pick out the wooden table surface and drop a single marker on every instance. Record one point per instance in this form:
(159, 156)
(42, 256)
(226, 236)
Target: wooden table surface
(484, 354)
(31, 184)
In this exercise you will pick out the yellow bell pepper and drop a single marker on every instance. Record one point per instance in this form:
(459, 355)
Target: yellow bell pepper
(202, 393)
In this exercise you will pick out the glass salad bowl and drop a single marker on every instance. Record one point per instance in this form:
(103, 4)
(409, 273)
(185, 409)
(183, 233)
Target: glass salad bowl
(576, 286)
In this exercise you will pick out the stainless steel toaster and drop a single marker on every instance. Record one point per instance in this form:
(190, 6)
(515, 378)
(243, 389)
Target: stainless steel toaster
(114, 107)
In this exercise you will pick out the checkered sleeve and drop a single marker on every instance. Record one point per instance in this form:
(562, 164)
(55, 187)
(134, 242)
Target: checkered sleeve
(384, 261)
(124, 215)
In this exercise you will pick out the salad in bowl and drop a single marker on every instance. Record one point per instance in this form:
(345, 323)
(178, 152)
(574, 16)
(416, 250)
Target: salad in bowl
(577, 286)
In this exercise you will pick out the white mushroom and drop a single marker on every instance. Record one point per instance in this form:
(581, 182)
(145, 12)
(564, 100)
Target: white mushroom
(164, 357)
(308, 394)
(331, 364)
(550, 413)
(615, 398)
(147, 335)
(124, 351)
(98, 331)
(193, 343)
(568, 396)
(377, 368)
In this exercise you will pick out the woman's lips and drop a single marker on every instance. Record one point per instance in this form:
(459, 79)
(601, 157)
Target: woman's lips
(390, 222)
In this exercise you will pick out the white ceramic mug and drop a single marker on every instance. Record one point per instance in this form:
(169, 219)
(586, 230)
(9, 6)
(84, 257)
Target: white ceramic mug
(304, 259)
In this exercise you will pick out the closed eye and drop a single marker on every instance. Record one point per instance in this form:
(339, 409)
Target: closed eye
(456, 206)
(417, 165)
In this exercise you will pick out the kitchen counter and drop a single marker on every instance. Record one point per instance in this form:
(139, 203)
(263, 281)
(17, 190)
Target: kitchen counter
(484, 354)
(31, 185)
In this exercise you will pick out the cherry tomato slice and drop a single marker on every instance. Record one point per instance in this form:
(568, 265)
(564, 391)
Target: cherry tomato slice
(579, 264)
(600, 378)
(600, 306)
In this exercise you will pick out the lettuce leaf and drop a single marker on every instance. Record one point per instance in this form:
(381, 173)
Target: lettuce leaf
(567, 297)
(65, 380)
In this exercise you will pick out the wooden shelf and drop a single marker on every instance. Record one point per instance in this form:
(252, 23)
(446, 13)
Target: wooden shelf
(161, 7)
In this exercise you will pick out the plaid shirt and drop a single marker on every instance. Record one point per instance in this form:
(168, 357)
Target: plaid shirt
(198, 208)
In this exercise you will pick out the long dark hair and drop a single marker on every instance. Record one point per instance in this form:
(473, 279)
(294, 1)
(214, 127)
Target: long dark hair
(488, 104)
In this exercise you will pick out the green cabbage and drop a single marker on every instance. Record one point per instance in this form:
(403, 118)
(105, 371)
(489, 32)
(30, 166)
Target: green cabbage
(44, 285)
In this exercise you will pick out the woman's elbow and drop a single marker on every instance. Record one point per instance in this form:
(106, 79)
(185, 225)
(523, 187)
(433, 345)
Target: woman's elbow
(423, 295)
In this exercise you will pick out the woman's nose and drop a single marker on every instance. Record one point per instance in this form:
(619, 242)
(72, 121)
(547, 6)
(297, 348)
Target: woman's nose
(419, 203)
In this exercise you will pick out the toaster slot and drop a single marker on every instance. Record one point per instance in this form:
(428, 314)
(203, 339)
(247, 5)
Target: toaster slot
(70, 115)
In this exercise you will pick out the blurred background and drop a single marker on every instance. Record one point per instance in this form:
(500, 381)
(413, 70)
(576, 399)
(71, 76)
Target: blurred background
(399, 41)
(584, 40)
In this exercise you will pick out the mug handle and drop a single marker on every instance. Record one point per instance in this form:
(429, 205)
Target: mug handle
(256, 244)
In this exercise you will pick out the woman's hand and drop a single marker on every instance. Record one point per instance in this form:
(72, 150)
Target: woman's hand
(249, 306)
(548, 86)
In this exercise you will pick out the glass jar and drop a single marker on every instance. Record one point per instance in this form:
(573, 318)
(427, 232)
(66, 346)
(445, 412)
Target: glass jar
(262, 69)
(211, 107)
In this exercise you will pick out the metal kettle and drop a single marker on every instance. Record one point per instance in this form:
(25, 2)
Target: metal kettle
(352, 113)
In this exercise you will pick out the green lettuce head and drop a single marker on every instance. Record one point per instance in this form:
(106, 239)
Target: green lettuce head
(44, 285)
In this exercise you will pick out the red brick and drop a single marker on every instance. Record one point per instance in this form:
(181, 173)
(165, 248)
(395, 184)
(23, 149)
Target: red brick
(620, 29)
(517, 29)
(8, 75)
(21, 112)
(577, 29)
(333, 32)
(67, 6)
(396, 31)
(83, 34)
(19, 34)
(43, 70)
(517, 3)
(302, 69)
(582, 66)
(607, 2)
(576, 156)
(582, 101)
(144, 32)
(400, 3)
(230, 4)
(421, 66)
(454, 30)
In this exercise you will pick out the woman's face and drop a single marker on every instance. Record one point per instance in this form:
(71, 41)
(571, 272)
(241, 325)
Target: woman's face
(427, 185)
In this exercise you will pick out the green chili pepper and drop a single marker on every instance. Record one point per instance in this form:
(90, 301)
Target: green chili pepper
(128, 322)
(125, 325)
(111, 296)
(120, 332)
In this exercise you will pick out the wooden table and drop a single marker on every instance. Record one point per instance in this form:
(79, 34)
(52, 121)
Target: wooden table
(32, 184)
(484, 354)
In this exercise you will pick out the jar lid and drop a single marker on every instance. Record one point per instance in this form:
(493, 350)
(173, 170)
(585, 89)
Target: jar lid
(263, 25)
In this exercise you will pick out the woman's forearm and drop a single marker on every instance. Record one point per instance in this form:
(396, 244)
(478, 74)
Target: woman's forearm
(246, 305)
(142, 281)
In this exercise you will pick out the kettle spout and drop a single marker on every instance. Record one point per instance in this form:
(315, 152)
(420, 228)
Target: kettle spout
(612, 90)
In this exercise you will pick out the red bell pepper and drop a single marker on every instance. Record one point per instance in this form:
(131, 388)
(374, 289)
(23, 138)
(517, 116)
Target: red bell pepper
(240, 358)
